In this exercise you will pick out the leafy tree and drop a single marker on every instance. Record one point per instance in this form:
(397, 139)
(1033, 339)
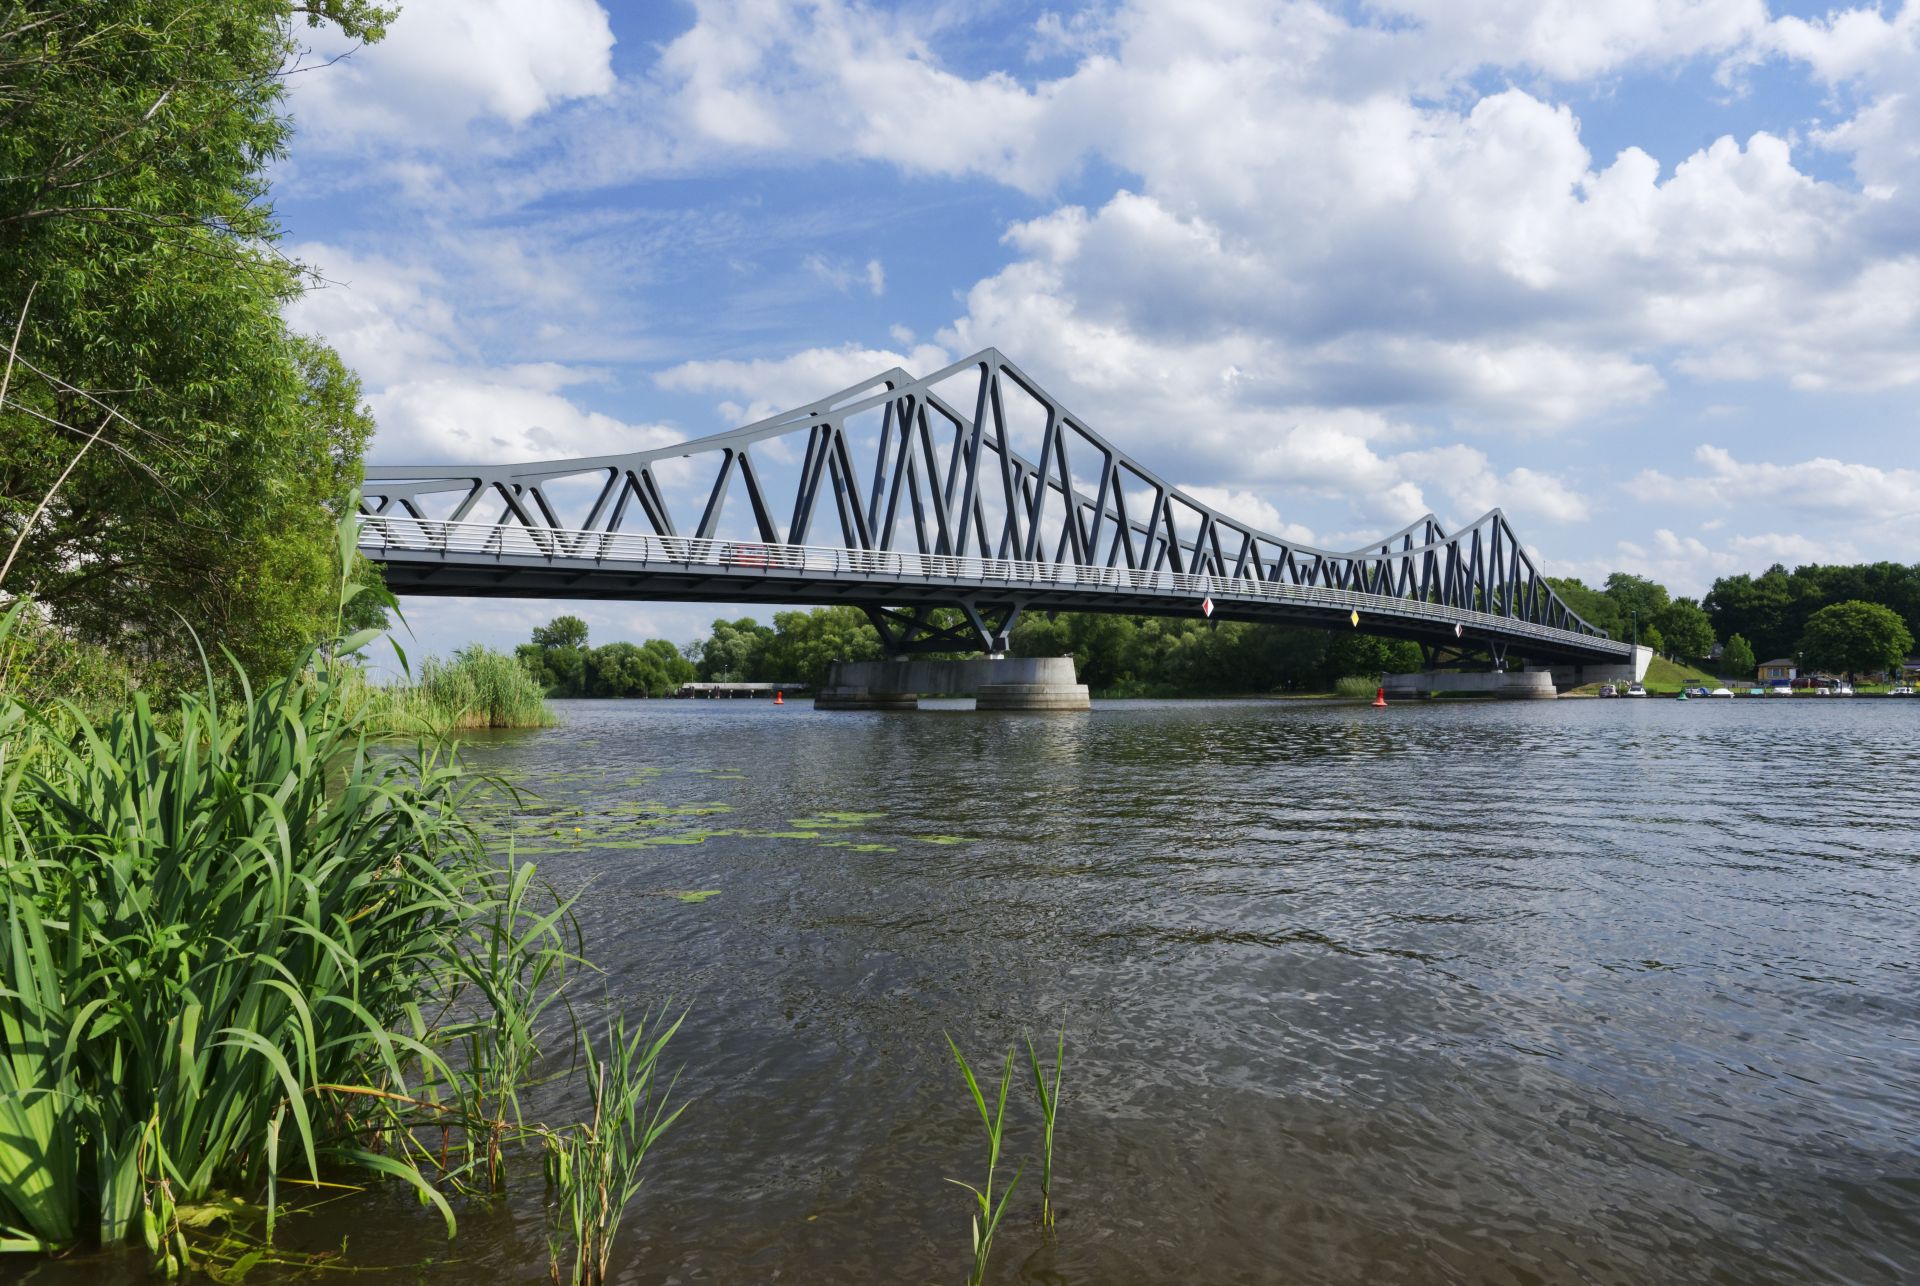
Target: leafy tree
(1166, 655)
(1591, 605)
(804, 644)
(1854, 637)
(534, 658)
(1772, 610)
(557, 656)
(1630, 594)
(669, 666)
(733, 652)
(201, 442)
(561, 631)
(1739, 658)
(1686, 629)
(653, 669)
(621, 670)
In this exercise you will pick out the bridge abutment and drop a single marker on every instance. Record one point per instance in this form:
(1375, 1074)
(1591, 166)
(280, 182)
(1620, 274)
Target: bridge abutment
(997, 683)
(1574, 676)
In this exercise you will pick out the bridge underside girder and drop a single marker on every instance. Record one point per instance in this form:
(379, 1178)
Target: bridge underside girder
(430, 576)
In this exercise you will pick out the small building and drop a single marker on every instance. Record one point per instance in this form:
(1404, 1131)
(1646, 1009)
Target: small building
(1782, 670)
(1910, 670)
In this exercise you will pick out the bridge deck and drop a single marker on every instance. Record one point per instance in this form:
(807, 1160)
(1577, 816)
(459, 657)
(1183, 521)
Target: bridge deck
(423, 556)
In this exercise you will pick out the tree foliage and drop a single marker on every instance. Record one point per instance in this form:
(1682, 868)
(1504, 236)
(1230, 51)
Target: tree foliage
(804, 644)
(1176, 656)
(1595, 607)
(1774, 608)
(205, 441)
(651, 669)
(561, 662)
(733, 651)
(1856, 637)
(1685, 629)
(1739, 658)
(561, 631)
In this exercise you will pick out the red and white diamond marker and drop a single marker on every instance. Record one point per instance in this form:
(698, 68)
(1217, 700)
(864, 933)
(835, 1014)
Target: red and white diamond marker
(1456, 631)
(1206, 606)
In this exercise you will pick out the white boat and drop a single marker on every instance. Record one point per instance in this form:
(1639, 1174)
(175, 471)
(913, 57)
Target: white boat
(1843, 690)
(1721, 692)
(1780, 691)
(1635, 690)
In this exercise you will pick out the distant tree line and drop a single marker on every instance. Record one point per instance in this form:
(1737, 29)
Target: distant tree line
(1843, 619)
(561, 662)
(1139, 655)
(1774, 609)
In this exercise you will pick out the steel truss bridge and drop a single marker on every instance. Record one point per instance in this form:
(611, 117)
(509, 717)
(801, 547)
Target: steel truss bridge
(972, 488)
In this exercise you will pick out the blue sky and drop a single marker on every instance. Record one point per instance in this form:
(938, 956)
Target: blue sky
(1645, 274)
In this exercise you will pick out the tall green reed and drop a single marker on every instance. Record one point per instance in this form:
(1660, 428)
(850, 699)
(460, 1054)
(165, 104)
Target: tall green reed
(239, 946)
(477, 688)
(593, 1169)
(1048, 1097)
(987, 1212)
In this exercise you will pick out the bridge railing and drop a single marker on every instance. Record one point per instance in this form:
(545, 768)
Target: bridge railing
(387, 534)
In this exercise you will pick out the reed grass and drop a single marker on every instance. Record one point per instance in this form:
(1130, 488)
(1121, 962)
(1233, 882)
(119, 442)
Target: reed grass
(1048, 1097)
(477, 688)
(987, 1212)
(593, 1169)
(241, 948)
(1356, 687)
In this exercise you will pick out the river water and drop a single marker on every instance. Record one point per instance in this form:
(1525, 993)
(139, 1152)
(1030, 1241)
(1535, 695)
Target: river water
(1579, 991)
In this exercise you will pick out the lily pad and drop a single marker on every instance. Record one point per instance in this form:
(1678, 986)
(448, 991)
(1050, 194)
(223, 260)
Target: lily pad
(698, 895)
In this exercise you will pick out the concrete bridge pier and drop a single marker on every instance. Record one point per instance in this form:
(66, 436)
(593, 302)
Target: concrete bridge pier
(1523, 685)
(997, 683)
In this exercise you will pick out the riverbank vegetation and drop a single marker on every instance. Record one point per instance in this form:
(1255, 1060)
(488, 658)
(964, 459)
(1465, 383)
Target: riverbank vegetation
(170, 451)
(1147, 656)
(476, 688)
(246, 953)
(1115, 655)
(562, 665)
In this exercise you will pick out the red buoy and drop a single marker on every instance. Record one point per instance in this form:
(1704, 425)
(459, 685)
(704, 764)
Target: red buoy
(1380, 697)
(778, 699)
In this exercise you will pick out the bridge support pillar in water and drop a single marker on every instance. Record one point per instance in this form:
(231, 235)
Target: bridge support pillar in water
(997, 683)
(1523, 685)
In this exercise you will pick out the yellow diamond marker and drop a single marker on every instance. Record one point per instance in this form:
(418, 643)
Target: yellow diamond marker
(1355, 618)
